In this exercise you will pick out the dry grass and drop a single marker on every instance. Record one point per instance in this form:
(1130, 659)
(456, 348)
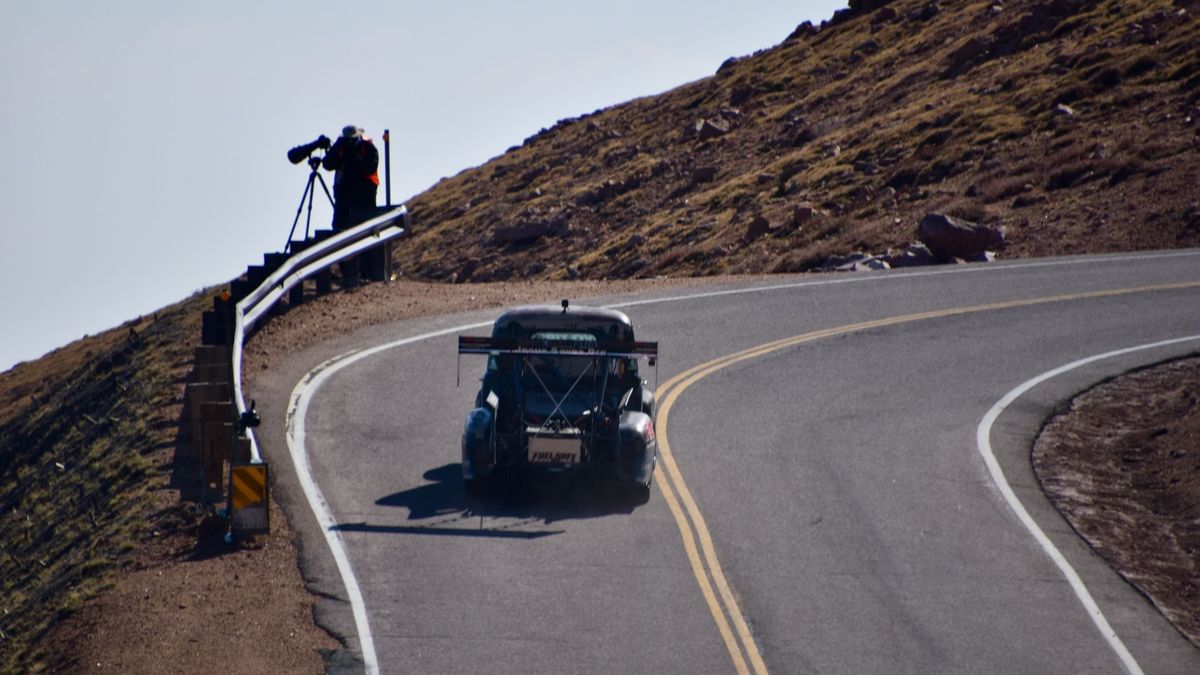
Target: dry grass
(84, 443)
(835, 118)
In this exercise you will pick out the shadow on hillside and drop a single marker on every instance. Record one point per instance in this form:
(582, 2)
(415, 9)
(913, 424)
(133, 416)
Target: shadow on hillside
(503, 509)
(186, 476)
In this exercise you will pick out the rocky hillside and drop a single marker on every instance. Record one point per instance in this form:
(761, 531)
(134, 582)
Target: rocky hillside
(87, 436)
(1074, 125)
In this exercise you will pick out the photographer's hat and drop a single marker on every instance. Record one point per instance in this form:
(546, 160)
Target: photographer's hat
(351, 131)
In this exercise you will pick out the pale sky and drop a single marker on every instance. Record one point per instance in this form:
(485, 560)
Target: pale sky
(145, 141)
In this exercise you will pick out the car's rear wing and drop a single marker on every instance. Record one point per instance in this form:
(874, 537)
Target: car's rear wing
(487, 345)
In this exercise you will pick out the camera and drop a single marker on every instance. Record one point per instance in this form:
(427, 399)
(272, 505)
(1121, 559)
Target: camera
(301, 152)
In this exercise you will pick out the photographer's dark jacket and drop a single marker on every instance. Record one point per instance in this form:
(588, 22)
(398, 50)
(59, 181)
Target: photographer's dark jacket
(357, 179)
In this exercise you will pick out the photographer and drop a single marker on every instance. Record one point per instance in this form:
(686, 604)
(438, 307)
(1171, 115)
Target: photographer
(356, 161)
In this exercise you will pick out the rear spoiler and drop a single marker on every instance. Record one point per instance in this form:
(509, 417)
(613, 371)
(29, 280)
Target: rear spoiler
(490, 346)
(487, 345)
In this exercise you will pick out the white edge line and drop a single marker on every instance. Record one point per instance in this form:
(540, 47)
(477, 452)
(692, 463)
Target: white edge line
(307, 387)
(865, 277)
(302, 394)
(982, 437)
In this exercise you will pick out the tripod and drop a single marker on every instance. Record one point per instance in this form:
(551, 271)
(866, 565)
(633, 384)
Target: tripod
(314, 163)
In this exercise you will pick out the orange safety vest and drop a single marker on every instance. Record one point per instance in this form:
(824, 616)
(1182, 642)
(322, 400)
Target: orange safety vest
(374, 176)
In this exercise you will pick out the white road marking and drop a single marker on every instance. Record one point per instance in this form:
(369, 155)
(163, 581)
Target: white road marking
(307, 387)
(983, 435)
(302, 394)
(865, 277)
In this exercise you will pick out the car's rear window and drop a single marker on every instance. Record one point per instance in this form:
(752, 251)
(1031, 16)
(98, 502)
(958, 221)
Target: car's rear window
(582, 341)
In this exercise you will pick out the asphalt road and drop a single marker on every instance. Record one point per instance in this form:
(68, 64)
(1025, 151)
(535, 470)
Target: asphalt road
(840, 478)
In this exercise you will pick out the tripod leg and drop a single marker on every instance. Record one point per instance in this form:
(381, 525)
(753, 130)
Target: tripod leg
(308, 220)
(326, 189)
(304, 197)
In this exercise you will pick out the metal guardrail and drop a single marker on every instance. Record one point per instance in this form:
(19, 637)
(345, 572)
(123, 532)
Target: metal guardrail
(247, 312)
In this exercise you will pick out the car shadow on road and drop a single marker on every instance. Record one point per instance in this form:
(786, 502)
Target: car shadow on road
(503, 510)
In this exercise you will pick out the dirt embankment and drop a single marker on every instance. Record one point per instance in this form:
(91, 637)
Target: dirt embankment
(1122, 464)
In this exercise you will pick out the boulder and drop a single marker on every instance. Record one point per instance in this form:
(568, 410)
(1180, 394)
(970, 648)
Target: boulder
(872, 265)
(925, 12)
(885, 15)
(841, 16)
(857, 262)
(916, 255)
(869, 46)
(1064, 7)
(742, 93)
(757, 227)
(843, 263)
(864, 6)
(522, 232)
(704, 174)
(804, 213)
(948, 237)
(707, 128)
(967, 55)
(866, 168)
(806, 29)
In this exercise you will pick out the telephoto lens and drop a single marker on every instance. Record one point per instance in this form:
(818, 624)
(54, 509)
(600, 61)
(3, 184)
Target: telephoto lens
(300, 152)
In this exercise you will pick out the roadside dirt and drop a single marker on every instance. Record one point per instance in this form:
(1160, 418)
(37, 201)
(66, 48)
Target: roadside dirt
(1122, 464)
(193, 604)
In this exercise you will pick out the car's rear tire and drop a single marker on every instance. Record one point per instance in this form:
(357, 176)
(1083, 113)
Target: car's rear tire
(639, 493)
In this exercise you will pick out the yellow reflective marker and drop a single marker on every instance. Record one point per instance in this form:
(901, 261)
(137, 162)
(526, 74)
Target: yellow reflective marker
(746, 654)
(249, 485)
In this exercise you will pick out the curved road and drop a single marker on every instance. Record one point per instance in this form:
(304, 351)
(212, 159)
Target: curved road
(831, 509)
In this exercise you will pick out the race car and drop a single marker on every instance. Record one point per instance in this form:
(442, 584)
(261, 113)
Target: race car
(561, 392)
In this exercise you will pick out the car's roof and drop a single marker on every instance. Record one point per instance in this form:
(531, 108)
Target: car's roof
(597, 320)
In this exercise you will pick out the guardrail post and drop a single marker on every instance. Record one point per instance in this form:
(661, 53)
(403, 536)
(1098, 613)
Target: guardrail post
(239, 289)
(217, 437)
(350, 271)
(209, 410)
(296, 295)
(324, 277)
(255, 274)
(273, 261)
(388, 265)
(216, 328)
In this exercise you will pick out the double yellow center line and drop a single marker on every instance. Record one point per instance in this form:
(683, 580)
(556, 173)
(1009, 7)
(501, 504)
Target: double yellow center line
(698, 542)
